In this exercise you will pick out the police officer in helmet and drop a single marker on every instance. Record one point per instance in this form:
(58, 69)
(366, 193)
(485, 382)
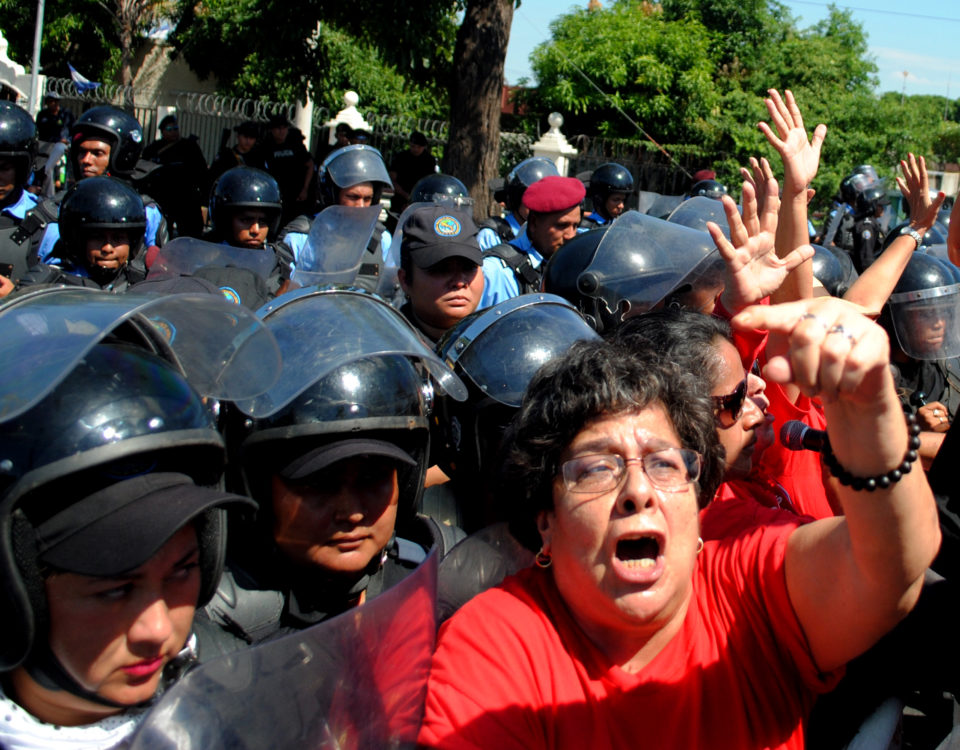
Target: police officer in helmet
(522, 176)
(18, 139)
(352, 176)
(610, 186)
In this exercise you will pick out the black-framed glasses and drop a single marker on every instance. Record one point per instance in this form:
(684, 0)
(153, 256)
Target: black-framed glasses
(671, 470)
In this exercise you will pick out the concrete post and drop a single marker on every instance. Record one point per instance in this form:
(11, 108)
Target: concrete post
(553, 145)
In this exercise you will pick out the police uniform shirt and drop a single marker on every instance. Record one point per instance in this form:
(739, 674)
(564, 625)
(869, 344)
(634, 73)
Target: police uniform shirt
(19, 208)
(499, 280)
(54, 127)
(52, 234)
(285, 162)
(592, 220)
(866, 242)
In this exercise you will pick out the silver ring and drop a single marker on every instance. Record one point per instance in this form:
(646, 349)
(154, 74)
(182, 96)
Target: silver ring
(840, 329)
(936, 412)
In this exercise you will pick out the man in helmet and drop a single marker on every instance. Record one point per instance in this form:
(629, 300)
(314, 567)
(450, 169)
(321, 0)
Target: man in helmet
(354, 175)
(105, 141)
(553, 206)
(102, 225)
(336, 451)
(867, 232)
(18, 136)
(112, 529)
(407, 168)
(440, 269)
(511, 193)
(610, 186)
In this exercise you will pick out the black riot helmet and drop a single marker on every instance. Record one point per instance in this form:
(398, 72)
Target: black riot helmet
(352, 165)
(366, 382)
(18, 139)
(924, 309)
(100, 203)
(608, 179)
(496, 352)
(869, 200)
(610, 274)
(244, 187)
(523, 176)
(935, 235)
(122, 131)
(440, 188)
(106, 449)
(828, 270)
(708, 189)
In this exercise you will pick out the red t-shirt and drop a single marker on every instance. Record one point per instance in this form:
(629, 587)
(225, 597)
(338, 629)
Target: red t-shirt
(742, 504)
(513, 670)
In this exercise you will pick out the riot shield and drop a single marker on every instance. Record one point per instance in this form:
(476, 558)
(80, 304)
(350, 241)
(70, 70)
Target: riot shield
(355, 682)
(338, 237)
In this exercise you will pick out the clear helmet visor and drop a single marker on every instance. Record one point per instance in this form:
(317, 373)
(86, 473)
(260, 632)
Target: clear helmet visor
(319, 331)
(338, 237)
(502, 347)
(640, 260)
(697, 211)
(184, 256)
(223, 349)
(927, 322)
(354, 164)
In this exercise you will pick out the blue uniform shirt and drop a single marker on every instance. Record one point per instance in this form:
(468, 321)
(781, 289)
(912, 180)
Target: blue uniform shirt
(297, 240)
(499, 280)
(19, 209)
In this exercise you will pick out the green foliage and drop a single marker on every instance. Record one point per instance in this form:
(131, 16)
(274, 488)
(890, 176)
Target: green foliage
(274, 49)
(77, 31)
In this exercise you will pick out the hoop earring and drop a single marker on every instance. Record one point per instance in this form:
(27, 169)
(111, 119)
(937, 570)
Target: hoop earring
(699, 544)
(543, 559)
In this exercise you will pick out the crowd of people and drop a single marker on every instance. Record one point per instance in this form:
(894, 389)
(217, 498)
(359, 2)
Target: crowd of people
(685, 477)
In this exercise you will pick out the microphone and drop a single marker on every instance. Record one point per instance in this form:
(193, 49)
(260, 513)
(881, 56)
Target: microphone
(797, 436)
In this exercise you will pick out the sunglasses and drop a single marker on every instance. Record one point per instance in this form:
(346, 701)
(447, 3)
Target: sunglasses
(729, 408)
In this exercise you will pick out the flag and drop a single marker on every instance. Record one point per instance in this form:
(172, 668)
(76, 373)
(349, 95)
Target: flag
(82, 84)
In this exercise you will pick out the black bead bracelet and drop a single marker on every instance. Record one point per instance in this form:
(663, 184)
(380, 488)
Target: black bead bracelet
(881, 481)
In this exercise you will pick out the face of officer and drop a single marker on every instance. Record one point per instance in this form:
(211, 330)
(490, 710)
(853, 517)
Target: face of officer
(93, 157)
(249, 228)
(245, 142)
(339, 518)
(107, 250)
(548, 232)
(358, 196)
(927, 327)
(445, 293)
(279, 133)
(615, 204)
(8, 179)
(115, 635)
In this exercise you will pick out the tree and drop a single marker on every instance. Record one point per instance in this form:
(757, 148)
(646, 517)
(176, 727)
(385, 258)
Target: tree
(472, 151)
(131, 19)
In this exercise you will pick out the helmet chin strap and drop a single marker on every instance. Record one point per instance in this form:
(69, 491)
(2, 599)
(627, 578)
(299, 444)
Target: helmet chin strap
(49, 673)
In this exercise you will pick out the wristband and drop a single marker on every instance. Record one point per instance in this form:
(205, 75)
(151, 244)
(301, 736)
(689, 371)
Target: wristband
(881, 481)
(913, 234)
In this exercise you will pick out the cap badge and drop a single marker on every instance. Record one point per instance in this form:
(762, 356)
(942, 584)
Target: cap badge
(446, 226)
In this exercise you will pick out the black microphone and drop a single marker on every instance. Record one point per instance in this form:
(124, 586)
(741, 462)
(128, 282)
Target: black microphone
(797, 436)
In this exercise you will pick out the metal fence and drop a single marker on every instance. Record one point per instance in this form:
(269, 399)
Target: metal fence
(211, 119)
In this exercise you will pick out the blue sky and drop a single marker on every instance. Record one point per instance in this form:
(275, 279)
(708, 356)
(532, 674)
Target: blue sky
(919, 38)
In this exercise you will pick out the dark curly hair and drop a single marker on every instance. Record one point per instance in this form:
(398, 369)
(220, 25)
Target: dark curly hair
(595, 379)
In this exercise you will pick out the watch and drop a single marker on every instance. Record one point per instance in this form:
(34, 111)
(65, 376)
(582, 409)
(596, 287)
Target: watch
(913, 233)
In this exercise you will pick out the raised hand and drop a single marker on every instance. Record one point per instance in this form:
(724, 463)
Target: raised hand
(800, 155)
(753, 270)
(915, 186)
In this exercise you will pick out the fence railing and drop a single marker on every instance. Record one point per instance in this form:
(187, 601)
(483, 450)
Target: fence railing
(211, 119)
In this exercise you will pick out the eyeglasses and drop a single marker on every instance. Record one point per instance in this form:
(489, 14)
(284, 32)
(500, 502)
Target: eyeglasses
(729, 408)
(672, 470)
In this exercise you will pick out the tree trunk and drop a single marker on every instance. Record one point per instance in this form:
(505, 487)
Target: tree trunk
(473, 148)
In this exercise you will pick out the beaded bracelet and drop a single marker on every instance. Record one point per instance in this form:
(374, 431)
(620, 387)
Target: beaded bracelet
(881, 481)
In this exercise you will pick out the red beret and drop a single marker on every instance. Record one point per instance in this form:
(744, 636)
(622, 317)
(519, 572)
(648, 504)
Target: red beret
(554, 194)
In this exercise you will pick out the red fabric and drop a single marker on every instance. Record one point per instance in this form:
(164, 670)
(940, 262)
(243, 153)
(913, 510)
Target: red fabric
(553, 193)
(513, 670)
(742, 504)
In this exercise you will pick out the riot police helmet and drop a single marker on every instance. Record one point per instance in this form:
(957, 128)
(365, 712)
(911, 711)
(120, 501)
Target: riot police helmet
(101, 203)
(440, 188)
(120, 130)
(102, 465)
(869, 200)
(349, 166)
(828, 270)
(523, 175)
(925, 309)
(18, 139)
(709, 189)
(244, 188)
(935, 235)
(606, 180)
(610, 274)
